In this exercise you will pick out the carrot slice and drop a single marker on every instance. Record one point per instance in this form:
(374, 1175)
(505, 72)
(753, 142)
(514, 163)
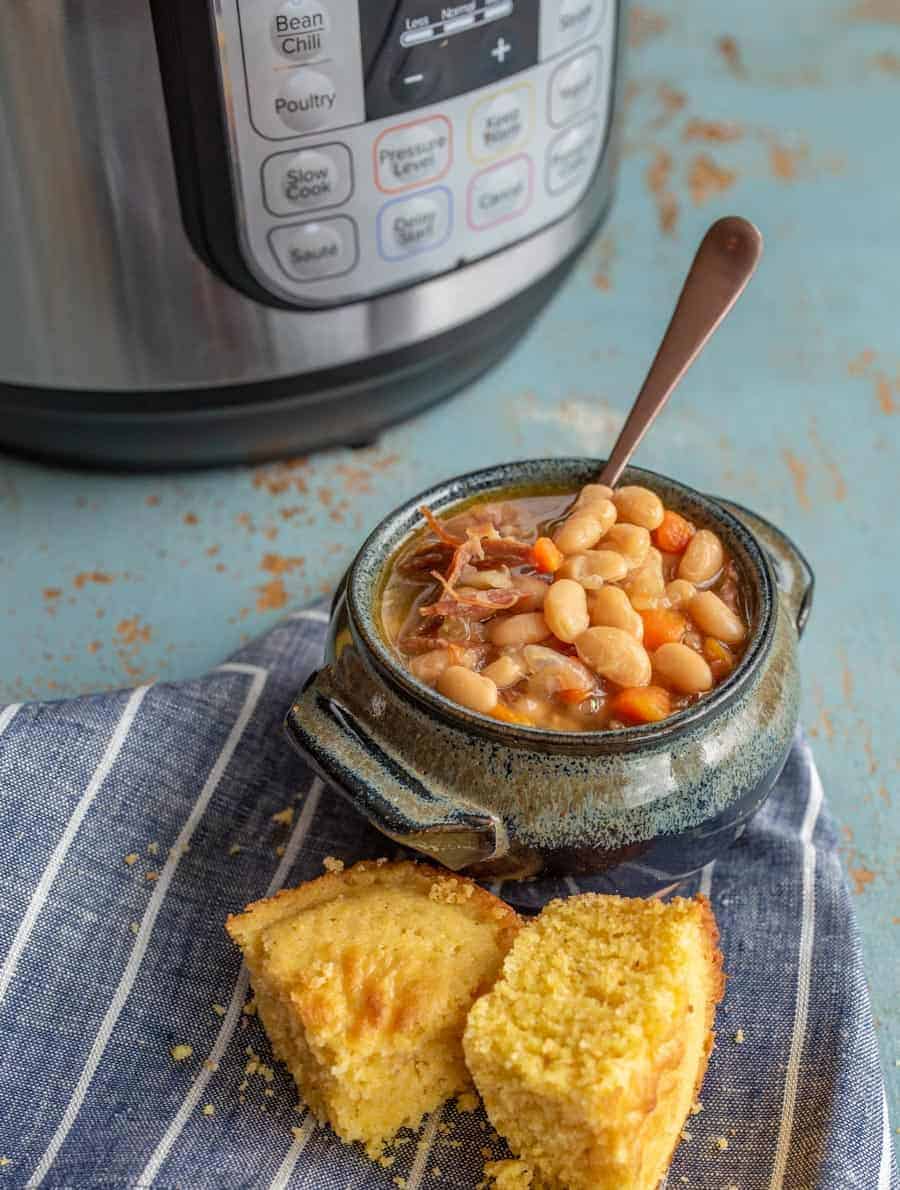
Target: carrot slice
(719, 656)
(573, 697)
(641, 704)
(546, 557)
(507, 715)
(662, 626)
(673, 534)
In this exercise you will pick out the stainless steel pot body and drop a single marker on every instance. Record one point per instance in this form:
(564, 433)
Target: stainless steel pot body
(119, 343)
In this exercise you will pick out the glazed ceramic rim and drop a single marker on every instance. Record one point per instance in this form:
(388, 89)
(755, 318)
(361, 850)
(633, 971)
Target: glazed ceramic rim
(366, 572)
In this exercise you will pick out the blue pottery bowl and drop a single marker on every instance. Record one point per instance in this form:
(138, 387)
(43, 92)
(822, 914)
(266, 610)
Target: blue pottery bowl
(644, 806)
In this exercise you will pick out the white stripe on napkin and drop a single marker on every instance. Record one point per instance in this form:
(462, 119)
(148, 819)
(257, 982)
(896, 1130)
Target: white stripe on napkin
(149, 919)
(804, 974)
(706, 880)
(8, 714)
(884, 1170)
(286, 1169)
(311, 613)
(417, 1169)
(57, 859)
(236, 1003)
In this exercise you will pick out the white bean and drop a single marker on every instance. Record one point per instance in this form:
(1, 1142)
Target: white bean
(428, 667)
(679, 592)
(468, 688)
(593, 568)
(716, 618)
(639, 506)
(682, 668)
(616, 655)
(526, 628)
(486, 580)
(532, 592)
(579, 532)
(631, 541)
(611, 608)
(703, 558)
(593, 493)
(645, 585)
(565, 610)
(555, 671)
(506, 670)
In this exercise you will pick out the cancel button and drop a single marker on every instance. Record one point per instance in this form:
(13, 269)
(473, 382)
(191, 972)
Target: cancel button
(500, 193)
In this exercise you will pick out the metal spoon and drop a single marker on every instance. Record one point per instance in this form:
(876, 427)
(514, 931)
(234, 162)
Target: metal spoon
(725, 262)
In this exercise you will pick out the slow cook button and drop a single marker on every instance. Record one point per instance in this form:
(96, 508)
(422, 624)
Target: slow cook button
(305, 181)
(307, 100)
(501, 122)
(500, 193)
(571, 157)
(313, 251)
(300, 30)
(408, 226)
(574, 87)
(413, 154)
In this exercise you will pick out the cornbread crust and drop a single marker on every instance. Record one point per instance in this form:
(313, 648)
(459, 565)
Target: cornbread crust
(593, 1044)
(363, 979)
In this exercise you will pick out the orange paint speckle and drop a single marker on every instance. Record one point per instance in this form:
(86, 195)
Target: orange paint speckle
(884, 794)
(645, 25)
(132, 632)
(861, 877)
(785, 162)
(278, 564)
(847, 681)
(880, 12)
(152, 501)
(52, 592)
(731, 54)
(91, 576)
(191, 518)
(95, 646)
(838, 483)
(887, 63)
(715, 131)
(671, 102)
(798, 475)
(281, 477)
(657, 177)
(212, 551)
(272, 596)
(861, 363)
(885, 395)
(706, 179)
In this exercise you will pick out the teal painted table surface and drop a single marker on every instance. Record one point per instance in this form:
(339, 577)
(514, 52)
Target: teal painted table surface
(787, 114)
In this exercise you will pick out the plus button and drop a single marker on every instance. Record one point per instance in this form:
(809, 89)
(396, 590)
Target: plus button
(500, 50)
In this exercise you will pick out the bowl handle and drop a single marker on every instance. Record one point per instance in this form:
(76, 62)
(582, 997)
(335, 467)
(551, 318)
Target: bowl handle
(793, 573)
(349, 755)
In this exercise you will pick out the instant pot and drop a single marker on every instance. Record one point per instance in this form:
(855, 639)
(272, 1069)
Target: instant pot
(233, 229)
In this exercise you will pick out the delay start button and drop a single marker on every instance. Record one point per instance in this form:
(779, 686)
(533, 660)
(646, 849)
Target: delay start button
(300, 30)
(308, 180)
(501, 192)
(408, 226)
(413, 154)
(313, 251)
(307, 100)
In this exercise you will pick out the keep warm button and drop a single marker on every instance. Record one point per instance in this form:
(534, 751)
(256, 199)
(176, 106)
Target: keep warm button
(501, 192)
(408, 226)
(413, 154)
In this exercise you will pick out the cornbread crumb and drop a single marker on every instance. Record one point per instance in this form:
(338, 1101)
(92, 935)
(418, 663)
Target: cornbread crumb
(508, 1175)
(153, 848)
(249, 1008)
(151, 877)
(219, 1009)
(592, 1045)
(180, 1053)
(330, 864)
(284, 817)
(739, 1037)
(297, 1132)
(208, 1109)
(280, 850)
(132, 858)
(486, 1154)
(721, 1143)
(696, 1108)
(386, 1162)
(209, 1064)
(685, 1135)
(4, 1161)
(467, 1102)
(134, 927)
(436, 1171)
(399, 1181)
(363, 983)
(234, 849)
(269, 1093)
(451, 891)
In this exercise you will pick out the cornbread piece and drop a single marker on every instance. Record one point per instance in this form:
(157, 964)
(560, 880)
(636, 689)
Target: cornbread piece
(592, 1046)
(363, 979)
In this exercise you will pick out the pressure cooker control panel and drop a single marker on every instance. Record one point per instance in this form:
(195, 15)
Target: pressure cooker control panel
(375, 144)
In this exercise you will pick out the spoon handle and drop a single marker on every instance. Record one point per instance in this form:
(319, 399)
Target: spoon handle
(725, 261)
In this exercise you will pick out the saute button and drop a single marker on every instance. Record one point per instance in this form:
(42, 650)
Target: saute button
(500, 193)
(501, 123)
(300, 30)
(571, 157)
(305, 181)
(573, 87)
(408, 226)
(307, 100)
(413, 154)
(571, 21)
(311, 251)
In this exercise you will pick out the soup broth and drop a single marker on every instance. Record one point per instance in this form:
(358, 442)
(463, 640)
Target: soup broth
(578, 611)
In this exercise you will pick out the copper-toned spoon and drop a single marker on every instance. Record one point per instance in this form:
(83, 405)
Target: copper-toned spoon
(725, 261)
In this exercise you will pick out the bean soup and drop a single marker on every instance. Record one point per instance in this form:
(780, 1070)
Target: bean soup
(584, 611)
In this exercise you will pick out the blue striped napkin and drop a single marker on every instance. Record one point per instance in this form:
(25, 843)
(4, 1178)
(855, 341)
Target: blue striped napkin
(132, 823)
